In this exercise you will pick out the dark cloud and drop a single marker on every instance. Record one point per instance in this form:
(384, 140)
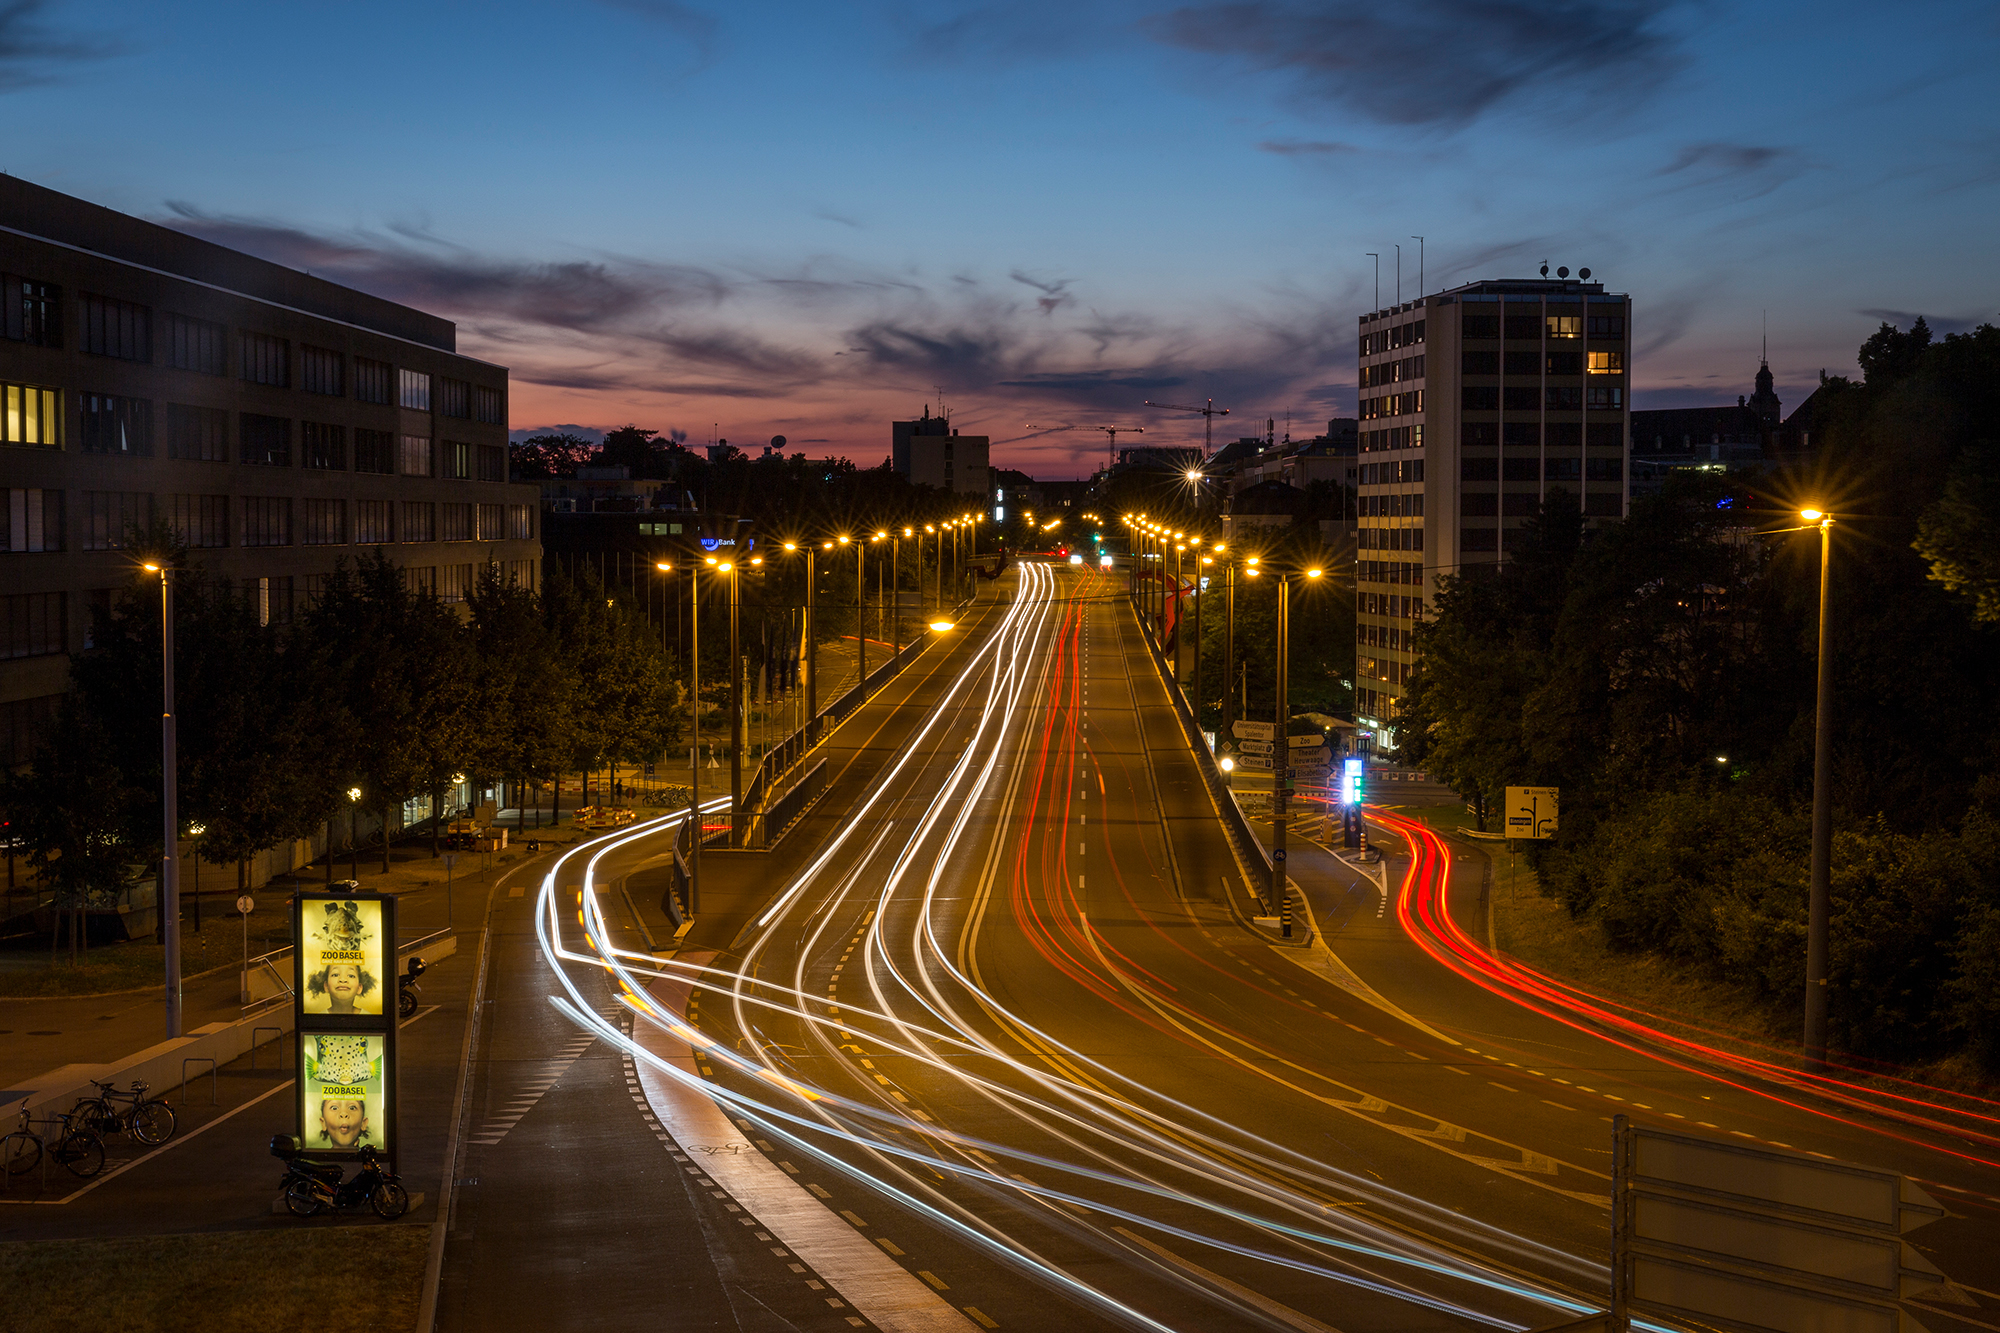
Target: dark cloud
(1745, 171)
(1019, 30)
(1436, 62)
(436, 276)
(1939, 324)
(698, 28)
(1305, 147)
(1054, 293)
(33, 52)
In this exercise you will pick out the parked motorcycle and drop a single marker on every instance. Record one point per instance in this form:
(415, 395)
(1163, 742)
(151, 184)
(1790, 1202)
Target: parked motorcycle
(406, 989)
(311, 1187)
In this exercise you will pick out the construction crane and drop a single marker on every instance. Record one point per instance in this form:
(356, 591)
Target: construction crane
(1208, 416)
(1111, 450)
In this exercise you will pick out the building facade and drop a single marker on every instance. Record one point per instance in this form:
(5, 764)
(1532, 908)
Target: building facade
(276, 422)
(930, 453)
(1475, 404)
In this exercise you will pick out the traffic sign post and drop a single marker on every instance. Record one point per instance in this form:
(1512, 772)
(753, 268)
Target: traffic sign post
(1255, 731)
(1531, 812)
(245, 905)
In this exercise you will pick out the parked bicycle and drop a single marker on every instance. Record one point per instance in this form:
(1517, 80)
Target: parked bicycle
(311, 1187)
(147, 1119)
(76, 1148)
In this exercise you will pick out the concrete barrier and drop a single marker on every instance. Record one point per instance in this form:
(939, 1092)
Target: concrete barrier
(158, 1066)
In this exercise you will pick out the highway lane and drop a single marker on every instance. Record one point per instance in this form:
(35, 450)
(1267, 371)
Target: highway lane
(1003, 1000)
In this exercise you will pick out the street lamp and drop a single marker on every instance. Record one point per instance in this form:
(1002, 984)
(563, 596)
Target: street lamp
(735, 702)
(1281, 772)
(353, 829)
(1819, 905)
(694, 730)
(170, 861)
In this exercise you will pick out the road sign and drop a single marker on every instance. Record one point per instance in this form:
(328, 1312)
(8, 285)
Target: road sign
(1255, 761)
(450, 860)
(246, 904)
(1531, 811)
(1726, 1234)
(1255, 731)
(1257, 747)
(1313, 773)
(1305, 742)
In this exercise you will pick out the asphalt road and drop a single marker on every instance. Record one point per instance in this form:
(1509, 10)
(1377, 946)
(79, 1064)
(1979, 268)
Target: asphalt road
(995, 1009)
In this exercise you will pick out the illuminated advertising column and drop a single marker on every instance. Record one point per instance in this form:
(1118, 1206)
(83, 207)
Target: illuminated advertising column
(344, 1011)
(1353, 777)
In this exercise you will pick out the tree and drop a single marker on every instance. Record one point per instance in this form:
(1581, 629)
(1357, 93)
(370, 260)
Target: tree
(1959, 535)
(542, 457)
(528, 700)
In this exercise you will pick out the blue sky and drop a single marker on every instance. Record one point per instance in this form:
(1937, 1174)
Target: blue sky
(807, 219)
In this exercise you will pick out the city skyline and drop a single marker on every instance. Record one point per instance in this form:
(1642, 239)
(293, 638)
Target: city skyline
(789, 221)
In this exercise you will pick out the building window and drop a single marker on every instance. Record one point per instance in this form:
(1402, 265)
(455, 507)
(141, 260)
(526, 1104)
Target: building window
(116, 328)
(274, 600)
(267, 360)
(267, 520)
(1521, 398)
(371, 380)
(413, 390)
(493, 462)
(520, 523)
(421, 580)
(1565, 326)
(374, 522)
(419, 521)
(456, 585)
(1565, 363)
(200, 521)
(1524, 328)
(322, 445)
(1481, 538)
(489, 406)
(1606, 397)
(1475, 505)
(1521, 469)
(455, 522)
(374, 451)
(1562, 469)
(325, 523)
(266, 440)
(456, 460)
(112, 425)
(322, 370)
(1607, 326)
(1479, 398)
(200, 434)
(415, 459)
(1604, 504)
(33, 624)
(31, 521)
(113, 520)
(29, 415)
(1521, 434)
(32, 311)
(454, 398)
(491, 522)
(521, 574)
(1606, 435)
(1482, 326)
(194, 344)
(1604, 469)
(1480, 363)
(1607, 363)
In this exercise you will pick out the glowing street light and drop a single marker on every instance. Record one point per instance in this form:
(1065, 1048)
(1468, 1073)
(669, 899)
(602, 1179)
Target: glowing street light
(1819, 908)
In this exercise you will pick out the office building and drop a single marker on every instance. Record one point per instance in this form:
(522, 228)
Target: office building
(930, 453)
(277, 422)
(1475, 404)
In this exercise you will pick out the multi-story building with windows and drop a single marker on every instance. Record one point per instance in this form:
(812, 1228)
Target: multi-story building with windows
(277, 422)
(930, 453)
(1475, 405)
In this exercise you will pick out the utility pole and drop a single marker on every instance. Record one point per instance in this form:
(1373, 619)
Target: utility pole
(735, 573)
(1820, 900)
(170, 860)
(1281, 897)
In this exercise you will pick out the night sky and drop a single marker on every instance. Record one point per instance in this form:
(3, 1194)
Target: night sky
(810, 218)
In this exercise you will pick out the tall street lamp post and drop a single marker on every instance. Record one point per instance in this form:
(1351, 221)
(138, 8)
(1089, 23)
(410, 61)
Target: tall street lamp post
(170, 860)
(1200, 560)
(1819, 907)
(354, 830)
(694, 732)
(1281, 769)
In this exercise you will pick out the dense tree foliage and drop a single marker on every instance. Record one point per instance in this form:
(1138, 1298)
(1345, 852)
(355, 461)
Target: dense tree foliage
(1661, 672)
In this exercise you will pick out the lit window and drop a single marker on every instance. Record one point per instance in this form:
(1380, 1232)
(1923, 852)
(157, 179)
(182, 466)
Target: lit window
(1565, 326)
(1607, 363)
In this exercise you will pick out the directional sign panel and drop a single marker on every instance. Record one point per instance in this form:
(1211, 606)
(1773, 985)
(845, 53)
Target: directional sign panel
(1255, 761)
(1305, 742)
(1531, 812)
(1257, 747)
(1255, 731)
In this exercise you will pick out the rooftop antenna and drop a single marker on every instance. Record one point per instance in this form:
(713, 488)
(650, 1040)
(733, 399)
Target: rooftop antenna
(1420, 264)
(1378, 278)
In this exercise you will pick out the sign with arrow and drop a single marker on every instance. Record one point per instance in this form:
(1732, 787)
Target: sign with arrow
(1255, 731)
(1257, 747)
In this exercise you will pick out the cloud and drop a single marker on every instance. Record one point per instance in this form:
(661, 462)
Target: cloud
(828, 215)
(1436, 63)
(1305, 147)
(1055, 294)
(697, 28)
(1745, 171)
(33, 53)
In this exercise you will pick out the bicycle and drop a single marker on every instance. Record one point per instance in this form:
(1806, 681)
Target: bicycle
(148, 1119)
(80, 1150)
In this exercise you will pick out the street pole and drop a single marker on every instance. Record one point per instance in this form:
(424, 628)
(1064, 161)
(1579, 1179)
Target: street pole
(896, 587)
(861, 615)
(735, 707)
(170, 861)
(694, 731)
(1197, 645)
(812, 644)
(1280, 769)
(1178, 636)
(1819, 908)
(1228, 648)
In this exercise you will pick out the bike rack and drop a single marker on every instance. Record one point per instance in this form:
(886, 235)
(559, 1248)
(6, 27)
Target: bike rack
(255, 1043)
(213, 1100)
